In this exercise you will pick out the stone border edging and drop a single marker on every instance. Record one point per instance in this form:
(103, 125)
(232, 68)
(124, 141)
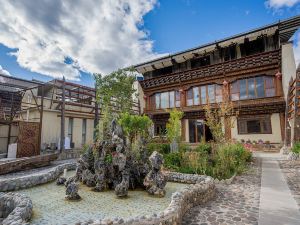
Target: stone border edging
(15, 208)
(201, 190)
(27, 181)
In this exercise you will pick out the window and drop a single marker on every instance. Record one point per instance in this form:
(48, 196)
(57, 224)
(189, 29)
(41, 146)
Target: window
(83, 131)
(70, 129)
(167, 100)
(211, 93)
(177, 98)
(203, 94)
(270, 87)
(219, 96)
(162, 71)
(172, 99)
(196, 96)
(159, 129)
(258, 87)
(229, 52)
(190, 97)
(254, 125)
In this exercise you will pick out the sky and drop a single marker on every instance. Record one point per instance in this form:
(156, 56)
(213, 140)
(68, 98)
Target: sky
(49, 39)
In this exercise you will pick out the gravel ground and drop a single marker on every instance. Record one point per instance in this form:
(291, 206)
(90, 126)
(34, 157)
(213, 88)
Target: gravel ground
(237, 203)
(291, 171)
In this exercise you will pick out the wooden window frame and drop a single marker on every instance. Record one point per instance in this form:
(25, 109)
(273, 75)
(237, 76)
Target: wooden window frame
(154, 105)
(261, 118)
(255, 88)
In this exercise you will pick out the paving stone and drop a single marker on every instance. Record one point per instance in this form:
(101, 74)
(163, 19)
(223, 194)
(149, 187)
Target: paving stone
(235, 204)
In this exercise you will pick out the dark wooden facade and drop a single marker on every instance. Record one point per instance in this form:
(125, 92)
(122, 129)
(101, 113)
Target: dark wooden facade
(267, 62)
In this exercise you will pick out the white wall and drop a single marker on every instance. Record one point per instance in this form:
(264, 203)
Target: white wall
(288, 67)
(275, 137)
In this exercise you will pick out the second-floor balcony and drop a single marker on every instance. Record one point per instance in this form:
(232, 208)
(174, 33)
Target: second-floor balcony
(258, 62)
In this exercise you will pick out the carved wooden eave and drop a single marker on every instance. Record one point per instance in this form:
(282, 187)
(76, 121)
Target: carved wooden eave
(267, 63)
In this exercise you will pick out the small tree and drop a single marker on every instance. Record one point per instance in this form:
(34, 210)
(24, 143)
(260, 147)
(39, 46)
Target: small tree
(174, 129)
(214, 116)
(135, 125)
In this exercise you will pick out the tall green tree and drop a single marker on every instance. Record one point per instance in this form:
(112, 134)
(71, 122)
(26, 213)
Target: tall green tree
(114, 95)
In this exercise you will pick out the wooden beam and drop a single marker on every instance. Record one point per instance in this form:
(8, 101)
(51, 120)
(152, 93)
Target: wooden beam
(62, 124)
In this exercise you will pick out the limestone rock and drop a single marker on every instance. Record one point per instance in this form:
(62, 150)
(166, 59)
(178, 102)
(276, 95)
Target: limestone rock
(72, 192)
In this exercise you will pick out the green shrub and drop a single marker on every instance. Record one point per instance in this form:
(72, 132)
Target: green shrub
(184, 147)
(203, 147)
(230, 159)
(172, 160)
(296, 148)
(162, 148)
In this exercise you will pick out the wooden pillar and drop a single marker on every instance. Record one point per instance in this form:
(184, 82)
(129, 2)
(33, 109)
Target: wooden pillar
(62, 123)
(41, 120)
(182, 97)
(282, 126)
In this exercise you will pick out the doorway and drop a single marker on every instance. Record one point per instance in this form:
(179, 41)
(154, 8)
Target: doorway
(198, 131)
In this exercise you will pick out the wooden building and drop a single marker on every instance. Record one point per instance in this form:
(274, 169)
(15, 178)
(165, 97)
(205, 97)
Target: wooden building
(255, 68)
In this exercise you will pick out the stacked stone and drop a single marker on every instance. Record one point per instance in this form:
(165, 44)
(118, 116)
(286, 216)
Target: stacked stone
(27, 181)
(15, 208)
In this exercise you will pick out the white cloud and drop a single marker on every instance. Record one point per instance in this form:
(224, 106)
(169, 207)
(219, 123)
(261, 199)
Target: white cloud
(97, 35)
(3, 71)
(277, 4)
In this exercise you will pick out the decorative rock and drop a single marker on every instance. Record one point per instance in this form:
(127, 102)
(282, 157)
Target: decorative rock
(61, 181)
(17, 208)
(293, 156)
(155, 181)
(72, 192)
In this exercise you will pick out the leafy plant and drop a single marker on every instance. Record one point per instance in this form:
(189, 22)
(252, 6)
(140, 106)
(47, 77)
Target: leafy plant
(173, 128)
(296, 148)
(172, 160)
(108, 158)
(203, 147)
(134, 125)
(162, 148)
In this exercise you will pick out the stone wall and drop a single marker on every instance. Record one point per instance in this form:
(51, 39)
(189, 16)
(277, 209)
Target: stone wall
(15, 208)
(27, 181)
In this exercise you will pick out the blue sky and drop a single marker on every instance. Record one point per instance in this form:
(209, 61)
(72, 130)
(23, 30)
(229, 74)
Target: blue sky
(168, 26)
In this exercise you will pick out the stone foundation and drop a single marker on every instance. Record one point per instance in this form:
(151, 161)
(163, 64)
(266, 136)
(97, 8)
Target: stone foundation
(15, 209)
(27, 181)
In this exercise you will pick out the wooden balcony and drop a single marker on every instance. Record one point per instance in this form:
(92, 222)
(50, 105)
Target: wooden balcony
(251, 106)
(255, 63)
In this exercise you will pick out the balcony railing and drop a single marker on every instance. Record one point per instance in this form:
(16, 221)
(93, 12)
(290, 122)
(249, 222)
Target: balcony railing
(244, 63)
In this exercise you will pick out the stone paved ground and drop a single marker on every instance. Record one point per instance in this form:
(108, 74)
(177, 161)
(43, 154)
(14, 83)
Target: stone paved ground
(237, 203)
(291, 171)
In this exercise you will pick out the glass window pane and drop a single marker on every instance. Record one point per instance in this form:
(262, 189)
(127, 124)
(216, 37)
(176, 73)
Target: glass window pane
(251, 88)
(164, 100)
(253, 126)
(211, 93)
(172, 99)
(203, 95)
(235, 91)
(260, 87)
(196, 95)
(269, 82)
(157, 100)
(270, 92)
(177, 98)
(190, 97)
(219, 93)
(243, 89)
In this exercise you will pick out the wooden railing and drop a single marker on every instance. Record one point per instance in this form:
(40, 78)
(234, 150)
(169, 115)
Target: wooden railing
(244, 63)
